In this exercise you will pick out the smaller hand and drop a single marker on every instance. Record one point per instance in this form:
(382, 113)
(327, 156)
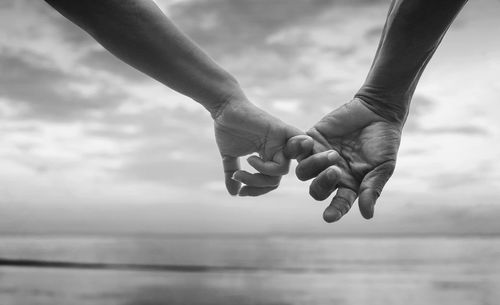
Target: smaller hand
(354, 153)
(242, 128)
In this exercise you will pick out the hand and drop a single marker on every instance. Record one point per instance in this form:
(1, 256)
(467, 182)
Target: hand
(354, 152)
(242, 128)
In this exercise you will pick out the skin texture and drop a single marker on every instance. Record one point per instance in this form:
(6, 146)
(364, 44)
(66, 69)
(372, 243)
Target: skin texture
(365, 133)
(238, 134)
(138, 33)
(411, 35)
(355, 154)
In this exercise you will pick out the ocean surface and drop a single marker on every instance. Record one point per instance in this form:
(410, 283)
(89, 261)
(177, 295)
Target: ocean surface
(249, 270)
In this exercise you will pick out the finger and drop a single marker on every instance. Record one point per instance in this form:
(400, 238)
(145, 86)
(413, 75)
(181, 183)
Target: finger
(278, 166)
(255, 191)
(256, 180)
(340, 205)
(299, 147)
(371, 187)
(231, 165)
(315, 164)
(325, 183)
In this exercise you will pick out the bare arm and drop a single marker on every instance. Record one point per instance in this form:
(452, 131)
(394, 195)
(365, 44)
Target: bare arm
(137, 32)
(412, 33)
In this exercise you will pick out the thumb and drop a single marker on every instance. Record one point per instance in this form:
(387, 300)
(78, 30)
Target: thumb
(371, 187)
(299, 147)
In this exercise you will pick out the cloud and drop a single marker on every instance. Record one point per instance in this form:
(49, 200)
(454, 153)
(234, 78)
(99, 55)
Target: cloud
(174, 146)
(423, 106)
(80, 124)
(461, 129)
(271, 40)
(374, 33)
(236, 26)
(456, 179)
(282, 50)
(35, 86)
(6, 5)
(468, 177)
(70, 33)
(166, 164)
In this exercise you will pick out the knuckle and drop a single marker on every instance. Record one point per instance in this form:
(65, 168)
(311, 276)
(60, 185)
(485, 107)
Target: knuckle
(318, 159)
(341, 204)
(332, 156)
(325, 181)
(318, 192)
(332, 174)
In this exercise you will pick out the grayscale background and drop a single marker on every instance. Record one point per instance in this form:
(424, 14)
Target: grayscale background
(100, 164)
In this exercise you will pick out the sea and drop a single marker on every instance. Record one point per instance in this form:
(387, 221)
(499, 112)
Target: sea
(241, 270)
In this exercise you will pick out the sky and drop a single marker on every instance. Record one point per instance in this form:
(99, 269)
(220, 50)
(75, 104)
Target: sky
(90, 145)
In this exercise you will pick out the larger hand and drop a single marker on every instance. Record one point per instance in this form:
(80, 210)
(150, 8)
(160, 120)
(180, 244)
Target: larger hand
(364, 146)
(241, 128)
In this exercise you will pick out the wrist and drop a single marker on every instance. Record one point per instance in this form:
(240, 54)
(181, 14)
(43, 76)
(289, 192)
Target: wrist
(392, 107)
(228, 91)
(232, 97)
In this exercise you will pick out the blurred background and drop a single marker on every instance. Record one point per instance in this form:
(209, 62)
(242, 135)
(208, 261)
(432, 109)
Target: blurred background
(99, 163)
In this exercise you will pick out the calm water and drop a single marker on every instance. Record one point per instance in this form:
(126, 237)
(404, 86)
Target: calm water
(270, 270)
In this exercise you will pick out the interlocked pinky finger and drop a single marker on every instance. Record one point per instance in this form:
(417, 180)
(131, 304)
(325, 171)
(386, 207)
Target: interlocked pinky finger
(255, 191)
(278, 166)
(256, 180)
(299, 147)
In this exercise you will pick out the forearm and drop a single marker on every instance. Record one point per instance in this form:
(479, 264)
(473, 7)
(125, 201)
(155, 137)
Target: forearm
(137, 32)
(412, 33)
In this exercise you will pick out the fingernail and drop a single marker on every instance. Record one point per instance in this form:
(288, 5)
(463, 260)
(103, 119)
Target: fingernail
(305, 143)
(313, 193)
(252, 157)
(369, 212)
(232, 187)
(332, 215)
(234, 177)
(232, 192)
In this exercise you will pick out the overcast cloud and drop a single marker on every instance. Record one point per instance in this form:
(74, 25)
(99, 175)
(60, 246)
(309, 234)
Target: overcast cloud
(84, 134)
